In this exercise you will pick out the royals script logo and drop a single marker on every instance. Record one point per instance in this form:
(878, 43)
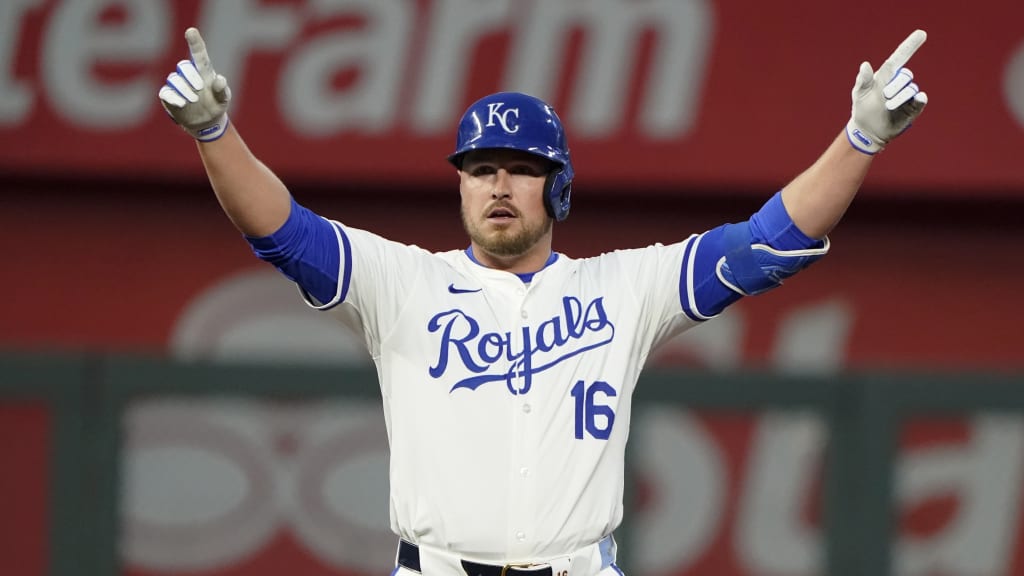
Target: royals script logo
(515, 358)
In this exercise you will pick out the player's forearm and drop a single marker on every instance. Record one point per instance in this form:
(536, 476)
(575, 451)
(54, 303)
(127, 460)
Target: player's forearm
(255, 200)
(817, 199)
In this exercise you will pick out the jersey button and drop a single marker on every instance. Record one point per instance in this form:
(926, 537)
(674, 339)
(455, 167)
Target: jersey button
(524, 314)
(524, 471)
(520, 536)
(526, 408)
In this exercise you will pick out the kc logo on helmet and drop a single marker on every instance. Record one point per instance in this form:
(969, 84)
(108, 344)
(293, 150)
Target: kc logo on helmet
(494, 112)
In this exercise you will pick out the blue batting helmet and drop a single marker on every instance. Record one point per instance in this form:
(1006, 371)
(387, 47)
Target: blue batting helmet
(520, 122)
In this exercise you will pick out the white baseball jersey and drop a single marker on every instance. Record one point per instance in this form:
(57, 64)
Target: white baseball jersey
(507, 405)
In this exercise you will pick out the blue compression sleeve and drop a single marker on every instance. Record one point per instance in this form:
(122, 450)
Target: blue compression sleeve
(770, 225)
(305, 249)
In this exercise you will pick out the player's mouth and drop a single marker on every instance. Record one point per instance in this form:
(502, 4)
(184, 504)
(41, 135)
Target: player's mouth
(501, 215)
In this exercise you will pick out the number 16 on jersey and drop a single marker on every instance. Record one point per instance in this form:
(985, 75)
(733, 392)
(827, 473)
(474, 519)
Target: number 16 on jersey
(592, 416)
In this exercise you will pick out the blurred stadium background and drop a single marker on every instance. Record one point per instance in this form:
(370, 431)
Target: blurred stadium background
(168, 406)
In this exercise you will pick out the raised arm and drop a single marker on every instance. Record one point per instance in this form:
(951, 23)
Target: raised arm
(252, 196)
(302, 245)
(884, 104)
(789, 232)
(197, 98)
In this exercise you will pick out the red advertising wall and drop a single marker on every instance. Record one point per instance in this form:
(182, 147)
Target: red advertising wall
(662, 94)
(152, 269)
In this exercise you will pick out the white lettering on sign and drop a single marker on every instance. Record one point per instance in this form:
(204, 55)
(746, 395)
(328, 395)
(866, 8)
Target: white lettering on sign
(684, 470)
(814, 337)
(687, 472)
(234, 29)
(455, 28)
(773, 537)
(395, 82)
(611, 50)
(246, 470)
(613, 30)
(16, 96)
(75, 41)
(1013, 85)
(985, 474)
(377, 51)
(809, 338)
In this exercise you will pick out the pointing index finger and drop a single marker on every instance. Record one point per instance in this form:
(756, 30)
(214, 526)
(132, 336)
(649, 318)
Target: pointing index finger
(902, 55)
(197, 47)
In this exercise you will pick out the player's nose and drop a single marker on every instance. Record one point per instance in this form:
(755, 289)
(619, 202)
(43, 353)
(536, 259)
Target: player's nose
(502, 184)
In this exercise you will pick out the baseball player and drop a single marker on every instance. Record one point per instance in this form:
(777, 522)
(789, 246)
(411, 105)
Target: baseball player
(506, 368)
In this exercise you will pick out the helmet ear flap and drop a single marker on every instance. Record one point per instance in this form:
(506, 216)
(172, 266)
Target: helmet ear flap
(558, 192)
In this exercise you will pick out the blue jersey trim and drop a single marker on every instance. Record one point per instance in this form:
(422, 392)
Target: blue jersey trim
(684, 285)
(525, 277)
(346, 278)
(701, 293)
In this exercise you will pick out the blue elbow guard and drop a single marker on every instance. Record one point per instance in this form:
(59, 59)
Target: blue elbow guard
(751, 268)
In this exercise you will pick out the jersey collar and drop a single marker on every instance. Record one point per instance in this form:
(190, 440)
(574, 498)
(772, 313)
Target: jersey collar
(525, 277)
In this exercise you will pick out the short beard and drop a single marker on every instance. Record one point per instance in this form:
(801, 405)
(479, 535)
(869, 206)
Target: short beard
(506, 243)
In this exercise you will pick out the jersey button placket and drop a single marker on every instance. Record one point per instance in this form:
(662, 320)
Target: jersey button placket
(523, 508)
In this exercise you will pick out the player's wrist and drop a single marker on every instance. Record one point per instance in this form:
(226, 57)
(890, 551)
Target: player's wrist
(210, 131)
(862, 140)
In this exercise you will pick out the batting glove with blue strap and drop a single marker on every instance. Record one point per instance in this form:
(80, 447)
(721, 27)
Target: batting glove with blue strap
(887, 101)
(195, 96)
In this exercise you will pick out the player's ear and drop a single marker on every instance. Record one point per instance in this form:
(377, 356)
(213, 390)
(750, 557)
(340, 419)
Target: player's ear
(463, 176)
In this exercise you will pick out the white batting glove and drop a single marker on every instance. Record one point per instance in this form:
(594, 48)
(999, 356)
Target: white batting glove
(195, 96)
(885, 102)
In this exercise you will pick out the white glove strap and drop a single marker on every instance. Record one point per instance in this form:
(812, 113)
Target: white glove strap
(211, 132)
(863, 141)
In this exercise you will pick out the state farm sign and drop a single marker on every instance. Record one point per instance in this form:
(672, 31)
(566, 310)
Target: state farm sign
(655, 93)
(80, 36)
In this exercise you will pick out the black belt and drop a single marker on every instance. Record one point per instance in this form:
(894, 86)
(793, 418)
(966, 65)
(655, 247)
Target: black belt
(409, 557)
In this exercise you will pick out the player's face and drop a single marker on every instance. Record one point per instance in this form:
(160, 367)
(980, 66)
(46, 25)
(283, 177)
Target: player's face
(503, 201)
